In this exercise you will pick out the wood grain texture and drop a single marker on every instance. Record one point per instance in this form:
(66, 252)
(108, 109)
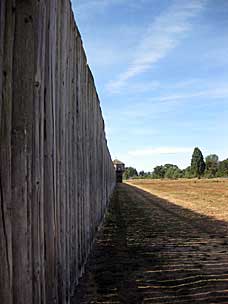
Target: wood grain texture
(7, 28)
(56, 173)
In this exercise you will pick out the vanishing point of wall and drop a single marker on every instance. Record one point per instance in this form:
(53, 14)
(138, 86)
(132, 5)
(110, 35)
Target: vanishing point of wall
(56, 173)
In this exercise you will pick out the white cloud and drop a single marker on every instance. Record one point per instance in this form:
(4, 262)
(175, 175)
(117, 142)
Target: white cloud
(140, 87)
(160, 38)
(159, 151)
(215, 93)
(136, 114)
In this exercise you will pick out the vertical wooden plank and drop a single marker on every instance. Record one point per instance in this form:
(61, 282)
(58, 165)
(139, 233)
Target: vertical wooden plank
(22, 109)
(67, 125)
(37, 207)
(62, 131)
(2, 41)
(50, 154)
(83, 154)
(76, 156)
(71, 215)
(7, 21)
(54, 78)
(58, 133)
(79, 154)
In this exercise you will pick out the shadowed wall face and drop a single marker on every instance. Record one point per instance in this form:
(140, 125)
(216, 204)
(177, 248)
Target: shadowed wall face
(56, 173)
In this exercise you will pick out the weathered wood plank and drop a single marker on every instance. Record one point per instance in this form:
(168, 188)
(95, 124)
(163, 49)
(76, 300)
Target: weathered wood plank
(37, 176)
(56, 173)
(7, 21)
(22, 118)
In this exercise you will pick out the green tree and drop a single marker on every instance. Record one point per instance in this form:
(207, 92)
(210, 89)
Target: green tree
(187, 173)
(212, 162)
(168, 166)
(166, 171)
(173, 172)
(142, 174)
(130, 172)
(159, 172)
(197, 163)
(222, 168)
(147, 175)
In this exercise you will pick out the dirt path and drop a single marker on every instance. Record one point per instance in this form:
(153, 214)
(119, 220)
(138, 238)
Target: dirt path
(151, 251)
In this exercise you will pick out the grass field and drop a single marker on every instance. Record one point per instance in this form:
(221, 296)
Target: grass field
(205, 196)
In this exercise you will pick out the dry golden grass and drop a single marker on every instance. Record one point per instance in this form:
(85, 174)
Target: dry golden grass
(205, 196)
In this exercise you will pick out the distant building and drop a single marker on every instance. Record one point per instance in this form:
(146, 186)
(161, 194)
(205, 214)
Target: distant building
(119, 167)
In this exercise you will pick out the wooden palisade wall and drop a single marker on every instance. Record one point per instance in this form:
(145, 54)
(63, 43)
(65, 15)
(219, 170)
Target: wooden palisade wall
(56, 173)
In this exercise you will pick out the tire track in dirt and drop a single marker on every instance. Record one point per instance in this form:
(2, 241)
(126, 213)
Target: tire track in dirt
(152, 251)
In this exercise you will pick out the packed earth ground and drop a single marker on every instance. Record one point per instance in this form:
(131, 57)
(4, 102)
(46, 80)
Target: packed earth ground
(161, 250)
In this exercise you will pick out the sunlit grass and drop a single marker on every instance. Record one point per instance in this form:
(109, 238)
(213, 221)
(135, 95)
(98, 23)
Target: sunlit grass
(206, 196)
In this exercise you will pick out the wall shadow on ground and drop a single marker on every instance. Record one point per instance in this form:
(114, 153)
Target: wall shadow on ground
(153, 251)
(210, 224)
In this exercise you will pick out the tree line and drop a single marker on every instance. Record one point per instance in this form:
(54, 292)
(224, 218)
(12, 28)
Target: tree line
(210, 167)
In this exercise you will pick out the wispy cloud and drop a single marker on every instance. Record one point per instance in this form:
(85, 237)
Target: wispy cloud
(141, 87)
(215, 93)
(165, 105)
(161, 37)
(160, 150)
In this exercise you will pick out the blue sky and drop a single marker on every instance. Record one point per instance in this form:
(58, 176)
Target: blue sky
(161, 72)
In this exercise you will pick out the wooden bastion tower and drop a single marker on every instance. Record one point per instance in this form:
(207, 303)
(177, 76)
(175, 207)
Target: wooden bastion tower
(119, 168)
(56, 172)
